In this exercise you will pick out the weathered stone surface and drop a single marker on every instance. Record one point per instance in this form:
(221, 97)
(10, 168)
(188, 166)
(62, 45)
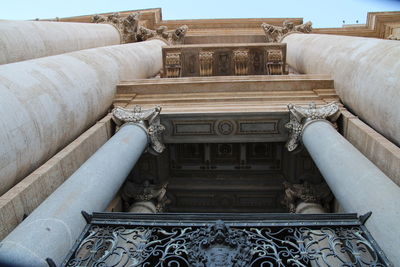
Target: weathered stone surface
(46, 103)
(23, 40)
(383, 153)
(366, 73)
(23, 198)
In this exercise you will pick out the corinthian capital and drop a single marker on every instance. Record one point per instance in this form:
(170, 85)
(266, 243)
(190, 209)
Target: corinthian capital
(307, 193)
(148, 119)
(300, 117)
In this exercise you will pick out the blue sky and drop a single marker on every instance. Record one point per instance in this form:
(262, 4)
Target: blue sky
(322, 13)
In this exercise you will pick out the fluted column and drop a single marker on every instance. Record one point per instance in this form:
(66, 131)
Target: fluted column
(366, 72)
(51, 230)
(46, 103)
(23, 40)
(357, 183)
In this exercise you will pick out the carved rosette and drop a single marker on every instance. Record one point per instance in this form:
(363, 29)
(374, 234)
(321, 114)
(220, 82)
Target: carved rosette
(148, 119)
(300, 117)
(275, 34)
(308, 193)
(126, 26)
(170, 37)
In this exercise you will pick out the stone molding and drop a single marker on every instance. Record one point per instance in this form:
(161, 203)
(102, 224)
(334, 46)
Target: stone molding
(300, 117)
(275, 34)
(126, 26)
(306, 193)
(147, 119)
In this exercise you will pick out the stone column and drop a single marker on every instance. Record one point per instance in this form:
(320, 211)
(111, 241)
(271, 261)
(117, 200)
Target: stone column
(366, 72)
(357, 183)
(46, 103)
(23, 40)
(51, 230)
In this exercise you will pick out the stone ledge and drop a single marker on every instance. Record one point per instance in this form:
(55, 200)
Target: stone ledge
(383, 153)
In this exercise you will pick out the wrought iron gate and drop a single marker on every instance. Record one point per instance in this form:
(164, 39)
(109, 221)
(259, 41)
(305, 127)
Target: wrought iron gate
(126, 239)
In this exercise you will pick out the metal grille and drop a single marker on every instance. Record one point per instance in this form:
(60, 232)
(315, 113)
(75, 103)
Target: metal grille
(123, 239)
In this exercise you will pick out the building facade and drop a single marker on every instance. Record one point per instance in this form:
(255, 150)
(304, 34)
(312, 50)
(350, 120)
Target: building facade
(131, 140)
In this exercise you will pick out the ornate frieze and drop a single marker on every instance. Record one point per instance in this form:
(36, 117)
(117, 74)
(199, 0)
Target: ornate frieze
(148, 119)
(275, 34)
(126, 26)
(307, 193)
(173, 65)
(206, 63)
(171, 37)
(300, 117)
(241, 61)
(228, 59)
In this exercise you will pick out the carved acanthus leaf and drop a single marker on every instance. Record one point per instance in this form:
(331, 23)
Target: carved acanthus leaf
(126, 26)
(306, 192)
(299, 116)
(148, 119)
(171, 37)
(144, 192)
(275, 34)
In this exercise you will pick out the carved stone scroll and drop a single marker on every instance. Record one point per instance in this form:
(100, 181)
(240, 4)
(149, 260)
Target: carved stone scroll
(148, 119)
(241, 61)
(302, 116)
(275, 34)
(206, 61)
(274, 62)
(173, 65)
(126, 26)
(171, 37)
(306, 193)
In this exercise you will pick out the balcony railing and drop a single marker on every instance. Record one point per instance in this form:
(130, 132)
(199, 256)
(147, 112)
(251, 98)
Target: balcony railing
(126, 239)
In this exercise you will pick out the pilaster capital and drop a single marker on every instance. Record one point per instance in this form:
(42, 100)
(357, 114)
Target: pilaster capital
(275, 34)
(148, 119)
(300, 117)
(306, 193)
(126, 26)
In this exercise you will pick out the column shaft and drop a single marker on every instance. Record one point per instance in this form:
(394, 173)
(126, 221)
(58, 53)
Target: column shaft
(357, 184)
(366, 72)
(46, 103)
(51, 230)
(23, 40)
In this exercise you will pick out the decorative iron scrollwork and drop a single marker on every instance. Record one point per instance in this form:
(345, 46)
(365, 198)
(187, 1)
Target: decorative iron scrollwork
(225, 244)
